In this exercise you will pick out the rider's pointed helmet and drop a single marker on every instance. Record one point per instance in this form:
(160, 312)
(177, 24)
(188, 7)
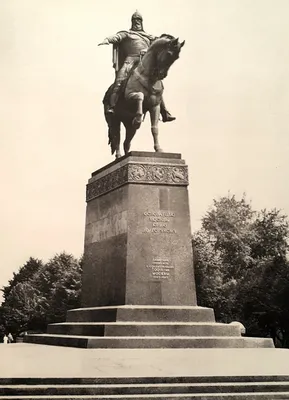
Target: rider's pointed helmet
(136, 15)
(136, 22)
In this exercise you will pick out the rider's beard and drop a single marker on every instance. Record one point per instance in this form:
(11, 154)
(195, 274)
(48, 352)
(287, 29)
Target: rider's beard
(137, 26)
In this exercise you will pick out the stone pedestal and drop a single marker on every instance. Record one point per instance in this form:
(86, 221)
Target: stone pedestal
(137, 237)
(138, 279)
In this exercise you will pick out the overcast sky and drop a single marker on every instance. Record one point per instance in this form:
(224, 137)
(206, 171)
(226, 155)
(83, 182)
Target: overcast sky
(229, 92)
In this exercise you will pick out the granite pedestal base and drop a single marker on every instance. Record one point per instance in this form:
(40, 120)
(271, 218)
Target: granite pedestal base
(145, 327)
(138, 238)
(138, 278)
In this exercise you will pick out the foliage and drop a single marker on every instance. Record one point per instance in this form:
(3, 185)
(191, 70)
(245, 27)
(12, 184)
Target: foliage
(41, 293)
(214, 288)
(20, 307)
(241, 266)
(59, 282)
(25, 273)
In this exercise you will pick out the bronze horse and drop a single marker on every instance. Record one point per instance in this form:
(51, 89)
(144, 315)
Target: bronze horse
(142, 92)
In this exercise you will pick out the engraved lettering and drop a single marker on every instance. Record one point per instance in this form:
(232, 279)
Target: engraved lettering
(159, 214)
(160, 269)
(159, 222)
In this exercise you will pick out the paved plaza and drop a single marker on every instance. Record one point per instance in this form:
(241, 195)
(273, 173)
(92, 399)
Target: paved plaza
(29, 360)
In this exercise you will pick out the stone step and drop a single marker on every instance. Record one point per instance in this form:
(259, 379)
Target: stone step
(143, 329)
(142, 314)
(191, 396)
(145, 380)
(141, 389)
(149, 341)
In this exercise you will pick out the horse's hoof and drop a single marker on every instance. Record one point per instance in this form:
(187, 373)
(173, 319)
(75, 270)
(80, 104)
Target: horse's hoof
(136, 122)
(158, 149)
(126, 148)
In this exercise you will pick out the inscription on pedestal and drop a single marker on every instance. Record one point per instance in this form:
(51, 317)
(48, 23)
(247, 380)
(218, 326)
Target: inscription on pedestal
(159, 222)
(160, 269)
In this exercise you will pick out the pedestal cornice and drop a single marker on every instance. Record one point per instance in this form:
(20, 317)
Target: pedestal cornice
(138, 168)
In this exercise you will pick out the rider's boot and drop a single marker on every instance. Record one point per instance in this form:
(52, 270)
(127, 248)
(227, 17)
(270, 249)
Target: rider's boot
(113, 99)
(166, 115)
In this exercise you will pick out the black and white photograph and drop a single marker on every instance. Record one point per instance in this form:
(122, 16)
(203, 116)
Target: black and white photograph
(144, 157)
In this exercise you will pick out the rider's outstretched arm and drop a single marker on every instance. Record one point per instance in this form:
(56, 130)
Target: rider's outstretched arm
(115, 38)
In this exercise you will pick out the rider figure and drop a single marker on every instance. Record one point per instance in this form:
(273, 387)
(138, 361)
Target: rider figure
(131, 46)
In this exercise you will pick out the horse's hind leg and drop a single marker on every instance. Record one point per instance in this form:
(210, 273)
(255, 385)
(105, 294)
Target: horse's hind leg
(117, 153)
(155, 115)
(130, 132)
(117, 141)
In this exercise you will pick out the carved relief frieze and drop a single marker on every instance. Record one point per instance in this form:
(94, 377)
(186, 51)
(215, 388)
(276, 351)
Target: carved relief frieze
(138, 173)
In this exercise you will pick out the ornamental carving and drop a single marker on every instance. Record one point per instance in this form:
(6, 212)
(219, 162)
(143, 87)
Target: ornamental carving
(138, 173)
(159, 174)
(178, 175)
(106, 183)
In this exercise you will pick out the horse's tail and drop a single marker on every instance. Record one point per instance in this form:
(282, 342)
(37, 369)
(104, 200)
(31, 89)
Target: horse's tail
(114, 133)
(106, 97)
(113, 123)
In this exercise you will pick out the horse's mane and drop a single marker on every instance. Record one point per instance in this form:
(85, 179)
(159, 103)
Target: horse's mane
(168, 36)
(159, 42)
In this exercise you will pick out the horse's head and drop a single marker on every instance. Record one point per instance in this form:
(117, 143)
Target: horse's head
(167, 51)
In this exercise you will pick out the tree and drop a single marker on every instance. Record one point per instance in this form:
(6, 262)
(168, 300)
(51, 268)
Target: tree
(41, 293)
(241, 265)
(59, 281)
(25, 274)
(214, 288)
(271, 229)
(228, 223)
(21, 308)
(15, 311)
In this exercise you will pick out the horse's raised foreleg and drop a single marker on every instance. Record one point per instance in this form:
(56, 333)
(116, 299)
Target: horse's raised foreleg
(139, 98)
(155, 115)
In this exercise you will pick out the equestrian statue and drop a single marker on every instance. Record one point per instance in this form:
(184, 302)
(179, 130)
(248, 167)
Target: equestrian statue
(141, 62)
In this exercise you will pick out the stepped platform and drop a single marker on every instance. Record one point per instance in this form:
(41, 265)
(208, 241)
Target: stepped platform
(145, 327)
